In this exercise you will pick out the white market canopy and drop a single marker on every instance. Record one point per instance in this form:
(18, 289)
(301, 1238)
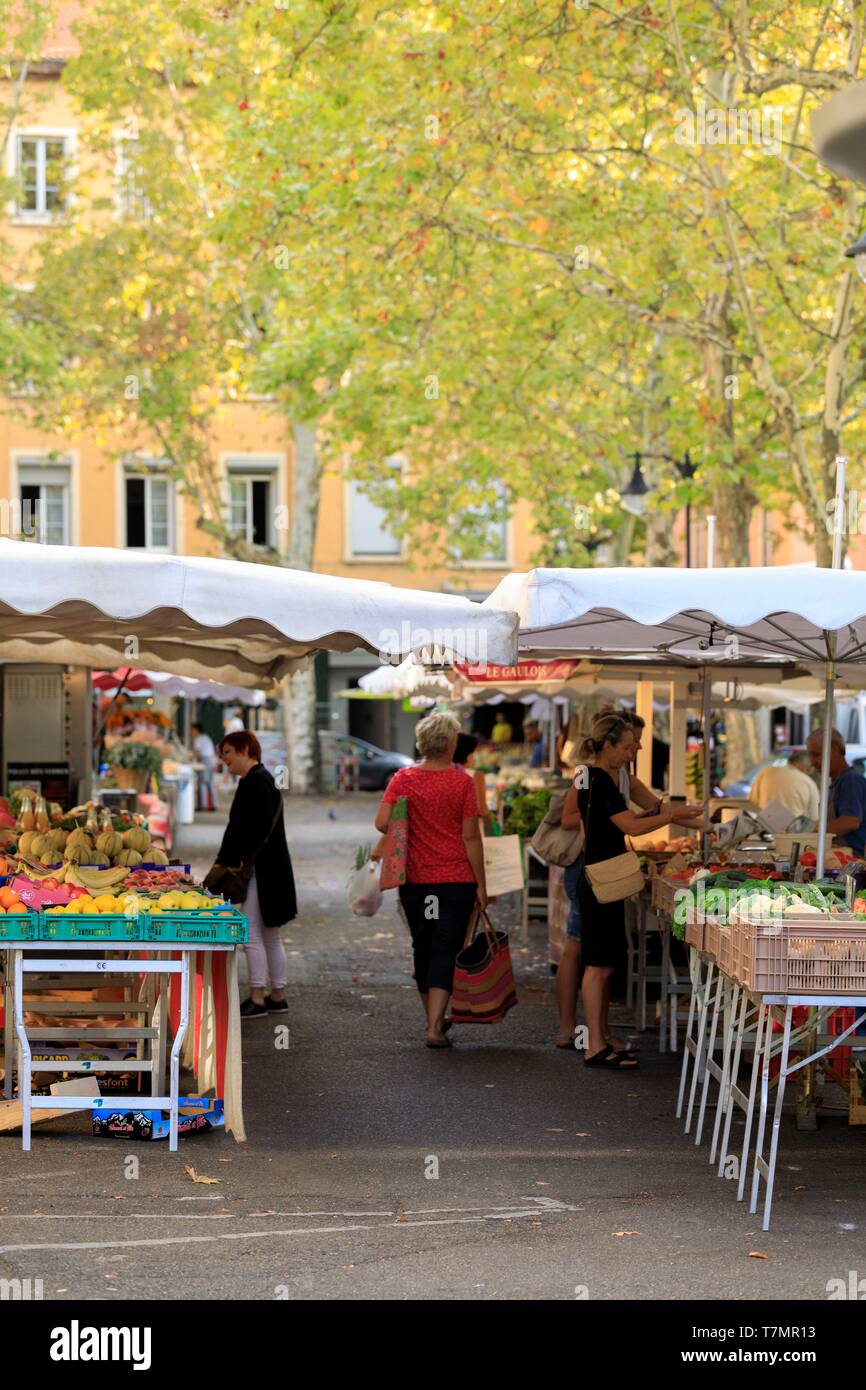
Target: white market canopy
(161, 683)
(224, 620)
(692, 616)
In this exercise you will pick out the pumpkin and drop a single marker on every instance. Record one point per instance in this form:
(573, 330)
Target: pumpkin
(109, 842)
(129, 858)
(136, 838)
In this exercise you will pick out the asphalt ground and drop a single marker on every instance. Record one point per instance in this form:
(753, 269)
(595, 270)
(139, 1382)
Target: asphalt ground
(377, 1169)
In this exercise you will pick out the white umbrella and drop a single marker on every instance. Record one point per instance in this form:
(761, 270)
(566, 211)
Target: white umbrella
(710, 617)
(225, 620)
(189, 689)
(411, 678)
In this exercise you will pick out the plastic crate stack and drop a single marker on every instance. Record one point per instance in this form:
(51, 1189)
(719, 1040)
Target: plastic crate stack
(222, 925)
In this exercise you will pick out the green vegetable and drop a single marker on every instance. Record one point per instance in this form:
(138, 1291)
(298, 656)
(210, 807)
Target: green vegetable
(526, 812)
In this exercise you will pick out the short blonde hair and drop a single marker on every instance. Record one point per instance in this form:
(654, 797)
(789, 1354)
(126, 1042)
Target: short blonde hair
(435, 733)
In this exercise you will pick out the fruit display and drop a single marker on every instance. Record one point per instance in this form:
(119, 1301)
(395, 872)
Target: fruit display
(49, 841)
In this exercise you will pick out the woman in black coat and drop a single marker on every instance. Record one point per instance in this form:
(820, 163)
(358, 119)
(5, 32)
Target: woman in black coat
(256, 832)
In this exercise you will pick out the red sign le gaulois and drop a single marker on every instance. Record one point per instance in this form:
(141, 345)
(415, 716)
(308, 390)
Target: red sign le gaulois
(524, 671)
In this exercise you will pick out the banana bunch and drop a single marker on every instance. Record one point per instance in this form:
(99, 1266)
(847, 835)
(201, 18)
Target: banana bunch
(102, 879)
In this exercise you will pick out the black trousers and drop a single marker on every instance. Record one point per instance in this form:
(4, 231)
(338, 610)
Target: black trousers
(438, 915)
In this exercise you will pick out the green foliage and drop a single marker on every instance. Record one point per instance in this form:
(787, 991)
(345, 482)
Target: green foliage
(526, 812)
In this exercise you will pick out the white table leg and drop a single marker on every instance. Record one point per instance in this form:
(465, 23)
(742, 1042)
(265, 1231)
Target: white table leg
(763, 1022)
(689, 1043)
(738, 1030)
(665, 986)
(766, 1055)
(703, 1025)
(732, 999)
(24, 1076)
(8, 1024)
(641, 975)
(176, 1050)
(710, 1052)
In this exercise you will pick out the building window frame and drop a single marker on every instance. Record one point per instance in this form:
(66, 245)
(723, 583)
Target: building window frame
(143, 470)
(370, 557)
(41, 216)
(256, 468)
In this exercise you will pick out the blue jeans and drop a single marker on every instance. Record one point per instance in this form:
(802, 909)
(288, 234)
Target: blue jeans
(571, 877)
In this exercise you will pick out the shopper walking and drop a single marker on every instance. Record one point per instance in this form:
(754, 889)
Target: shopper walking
(254, 859)
(203, 747)
(444, 863)
(464, 756)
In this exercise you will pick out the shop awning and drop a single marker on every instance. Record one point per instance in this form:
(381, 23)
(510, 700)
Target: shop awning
(692, 616)
(224, 620)
(161, 683)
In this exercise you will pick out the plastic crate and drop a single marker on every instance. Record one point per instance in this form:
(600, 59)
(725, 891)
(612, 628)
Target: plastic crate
(191, 925)
(90, 926)
(19, 926)
(695, 929)
(802, 956)
(663, 893)
(719, 944)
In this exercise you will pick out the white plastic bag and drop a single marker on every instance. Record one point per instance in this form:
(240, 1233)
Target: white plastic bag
(365, 895)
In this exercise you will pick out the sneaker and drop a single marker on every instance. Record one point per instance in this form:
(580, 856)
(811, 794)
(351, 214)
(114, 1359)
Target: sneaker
(276, 1006)
(249, 1009)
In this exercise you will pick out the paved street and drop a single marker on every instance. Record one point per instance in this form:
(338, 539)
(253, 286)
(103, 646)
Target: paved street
(553, 1182)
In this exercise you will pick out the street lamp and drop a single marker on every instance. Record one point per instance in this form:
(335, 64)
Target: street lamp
(857, 252)
(635, 494)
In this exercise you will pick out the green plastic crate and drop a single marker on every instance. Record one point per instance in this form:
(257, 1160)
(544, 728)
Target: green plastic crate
(20, 926)
(197, 925)
(91, 926)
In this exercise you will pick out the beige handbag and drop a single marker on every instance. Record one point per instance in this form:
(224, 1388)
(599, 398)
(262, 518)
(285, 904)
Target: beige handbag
(611, 880)
(551, 842)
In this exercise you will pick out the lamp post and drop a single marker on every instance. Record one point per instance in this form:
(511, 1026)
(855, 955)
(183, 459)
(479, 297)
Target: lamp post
(634, 494)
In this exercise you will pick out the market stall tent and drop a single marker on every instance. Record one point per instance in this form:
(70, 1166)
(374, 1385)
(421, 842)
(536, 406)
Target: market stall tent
(214, 619)
(712, 618)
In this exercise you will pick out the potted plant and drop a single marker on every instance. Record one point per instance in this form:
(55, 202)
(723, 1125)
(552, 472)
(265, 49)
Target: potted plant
(134, 764)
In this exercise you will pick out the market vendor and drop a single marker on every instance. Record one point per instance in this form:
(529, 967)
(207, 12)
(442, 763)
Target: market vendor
(846, 810)
(502, 730)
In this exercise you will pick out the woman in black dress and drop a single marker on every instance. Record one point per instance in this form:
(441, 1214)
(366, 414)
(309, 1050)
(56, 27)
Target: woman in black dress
(607, 820)
(256, 831)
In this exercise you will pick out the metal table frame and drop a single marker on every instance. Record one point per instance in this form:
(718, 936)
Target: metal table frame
(747, 1021)
(75, 962)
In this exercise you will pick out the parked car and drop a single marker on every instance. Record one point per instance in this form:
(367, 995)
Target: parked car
(377, 766)
(855, 753)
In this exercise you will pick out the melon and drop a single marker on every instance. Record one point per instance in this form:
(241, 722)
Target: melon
(79, 837)
(157, 856)
(39, 845)
(129, 858)
(78, 854)
(136, 838)
(58, 837)
(25, 841)
(109, 842)
(99, 859)
(50, 858)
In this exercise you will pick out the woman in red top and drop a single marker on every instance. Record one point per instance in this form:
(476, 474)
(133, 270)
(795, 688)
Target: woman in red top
(444, 862)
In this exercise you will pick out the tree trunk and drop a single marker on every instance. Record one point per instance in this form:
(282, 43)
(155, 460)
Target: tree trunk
(659, 547)
(299, 690)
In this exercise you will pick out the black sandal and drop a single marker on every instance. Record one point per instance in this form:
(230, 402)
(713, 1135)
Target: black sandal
(440, 1042)
(610, 1060)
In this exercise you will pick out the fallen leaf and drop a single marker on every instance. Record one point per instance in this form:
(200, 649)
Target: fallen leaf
(225, 1160)
(799, 1189)
(199, 1177)
(554, 1131)
(400, 1213)
(757, 1255)
(625, 1233)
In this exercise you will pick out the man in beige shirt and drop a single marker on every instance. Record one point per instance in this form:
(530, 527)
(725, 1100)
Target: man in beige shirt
(790, 784)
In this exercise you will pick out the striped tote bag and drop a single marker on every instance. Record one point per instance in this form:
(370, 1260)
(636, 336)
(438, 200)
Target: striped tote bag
(483, 978)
